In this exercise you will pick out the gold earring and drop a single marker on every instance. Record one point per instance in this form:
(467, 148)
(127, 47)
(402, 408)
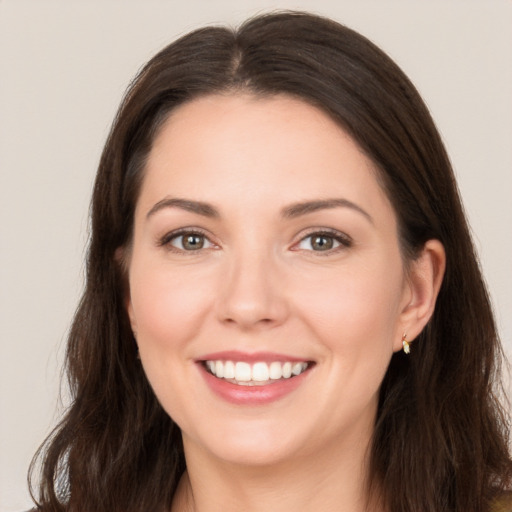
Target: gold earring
(406, 344)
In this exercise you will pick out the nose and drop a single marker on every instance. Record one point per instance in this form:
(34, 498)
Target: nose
(252, 293)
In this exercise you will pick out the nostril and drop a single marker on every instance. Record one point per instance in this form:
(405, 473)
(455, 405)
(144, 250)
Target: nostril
(248, 323)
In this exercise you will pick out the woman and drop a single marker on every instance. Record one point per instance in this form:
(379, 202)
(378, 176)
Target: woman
(283, 306)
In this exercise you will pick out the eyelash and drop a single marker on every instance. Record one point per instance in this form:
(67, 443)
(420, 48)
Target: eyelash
(166, 240)
(343, 240)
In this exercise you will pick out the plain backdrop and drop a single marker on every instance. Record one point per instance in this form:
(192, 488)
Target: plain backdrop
(63, 69)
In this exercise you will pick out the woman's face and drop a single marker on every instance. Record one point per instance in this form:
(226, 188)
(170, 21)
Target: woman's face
(263, 247)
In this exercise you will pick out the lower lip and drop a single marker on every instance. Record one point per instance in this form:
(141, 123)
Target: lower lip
(252, 395)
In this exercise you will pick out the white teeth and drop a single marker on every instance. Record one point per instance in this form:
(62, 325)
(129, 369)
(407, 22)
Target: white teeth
(298, 368)
(276, 370)
(258, 372)
(229, 370)
(219, 369)
(287, 370)
(242, 371)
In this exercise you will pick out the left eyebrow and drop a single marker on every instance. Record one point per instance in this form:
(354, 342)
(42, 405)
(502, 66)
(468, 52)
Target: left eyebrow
(303, 208)
(199, 207)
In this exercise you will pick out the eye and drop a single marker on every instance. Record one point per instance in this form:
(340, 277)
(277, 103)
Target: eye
(323, 242)
(187, 241)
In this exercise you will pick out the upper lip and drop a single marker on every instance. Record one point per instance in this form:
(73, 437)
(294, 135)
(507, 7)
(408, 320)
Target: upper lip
(253, 357)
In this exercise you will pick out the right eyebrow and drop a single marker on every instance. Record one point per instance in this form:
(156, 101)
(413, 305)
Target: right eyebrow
(199, 207)
(298, 209)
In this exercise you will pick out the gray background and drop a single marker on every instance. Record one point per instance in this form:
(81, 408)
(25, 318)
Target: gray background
(64, 67)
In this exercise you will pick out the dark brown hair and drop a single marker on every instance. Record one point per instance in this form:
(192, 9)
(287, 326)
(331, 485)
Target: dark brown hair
(441, 436)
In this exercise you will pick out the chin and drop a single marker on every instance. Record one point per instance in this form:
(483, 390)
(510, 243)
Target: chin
(247, 443)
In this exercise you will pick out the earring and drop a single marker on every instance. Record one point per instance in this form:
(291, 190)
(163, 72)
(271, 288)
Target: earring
(406, 344)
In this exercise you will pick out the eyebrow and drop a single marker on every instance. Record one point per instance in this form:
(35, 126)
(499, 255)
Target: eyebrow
(303, 208)
(204, 209)
(289, 212)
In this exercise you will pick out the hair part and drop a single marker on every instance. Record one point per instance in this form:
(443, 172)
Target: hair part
(441, 436)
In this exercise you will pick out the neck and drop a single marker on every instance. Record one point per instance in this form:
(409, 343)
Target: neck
(331, 481)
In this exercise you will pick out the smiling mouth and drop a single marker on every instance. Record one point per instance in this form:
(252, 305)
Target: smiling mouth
(255, 374)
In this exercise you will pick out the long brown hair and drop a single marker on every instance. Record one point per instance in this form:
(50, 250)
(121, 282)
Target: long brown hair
(441, 436)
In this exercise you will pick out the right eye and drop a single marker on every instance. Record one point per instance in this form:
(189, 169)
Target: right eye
(187, 241)
(321, 242)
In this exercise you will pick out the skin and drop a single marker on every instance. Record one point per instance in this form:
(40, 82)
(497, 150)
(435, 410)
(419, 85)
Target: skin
(260, 284)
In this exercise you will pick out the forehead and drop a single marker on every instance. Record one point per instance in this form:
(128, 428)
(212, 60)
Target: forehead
(272, 149)
(242, 121)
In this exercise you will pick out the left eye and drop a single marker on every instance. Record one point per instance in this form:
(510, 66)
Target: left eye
(320, 242)
(190, 242)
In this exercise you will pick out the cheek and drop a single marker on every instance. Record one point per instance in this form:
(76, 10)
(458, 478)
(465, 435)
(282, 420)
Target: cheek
(357, 309)
(169, 310)
(167, 305)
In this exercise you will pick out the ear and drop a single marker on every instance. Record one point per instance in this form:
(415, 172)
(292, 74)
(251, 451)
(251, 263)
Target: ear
(131, 314)
(121, 257)
(424, 279)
